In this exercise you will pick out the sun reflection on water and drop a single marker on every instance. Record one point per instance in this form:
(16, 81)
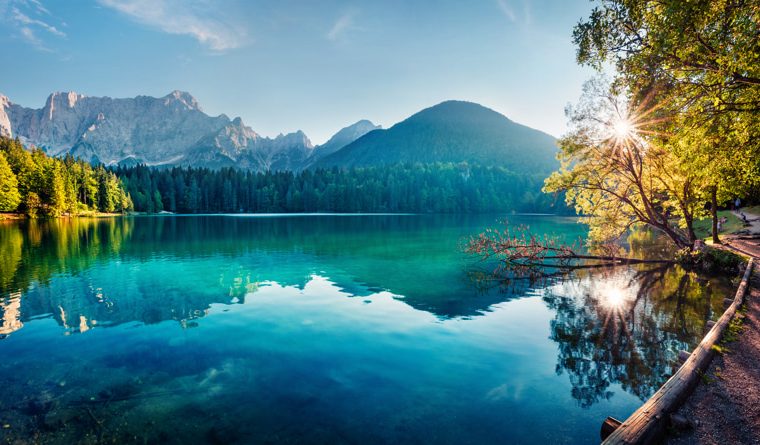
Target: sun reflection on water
(614, 296)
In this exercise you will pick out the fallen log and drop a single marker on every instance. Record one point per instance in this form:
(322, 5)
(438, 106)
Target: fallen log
(649, 422)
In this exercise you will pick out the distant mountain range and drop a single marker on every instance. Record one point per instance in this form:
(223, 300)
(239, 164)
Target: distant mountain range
(169, 130)
(173, 130)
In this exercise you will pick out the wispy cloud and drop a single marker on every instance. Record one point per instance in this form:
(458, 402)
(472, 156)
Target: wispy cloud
(507, 9)
(24, 18)
(38, 6)
(31, 38)
(344, 23)
(199, 19)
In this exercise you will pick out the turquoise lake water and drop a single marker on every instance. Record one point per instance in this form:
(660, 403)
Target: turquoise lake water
(322, 329)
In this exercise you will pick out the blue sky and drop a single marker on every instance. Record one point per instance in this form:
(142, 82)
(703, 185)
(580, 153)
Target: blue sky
(311, 65)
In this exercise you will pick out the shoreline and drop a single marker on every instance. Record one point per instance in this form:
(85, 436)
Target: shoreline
(725, 406)
(648, 424)
(21, 216)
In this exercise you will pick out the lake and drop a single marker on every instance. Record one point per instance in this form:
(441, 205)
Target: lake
(325, 329)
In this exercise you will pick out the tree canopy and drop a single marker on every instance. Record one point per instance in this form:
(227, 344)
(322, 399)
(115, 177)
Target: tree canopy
(38, 185)
(686, 92)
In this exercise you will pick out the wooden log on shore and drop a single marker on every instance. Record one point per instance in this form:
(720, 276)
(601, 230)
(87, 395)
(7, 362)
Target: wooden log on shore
(648, 423)
(609, 425)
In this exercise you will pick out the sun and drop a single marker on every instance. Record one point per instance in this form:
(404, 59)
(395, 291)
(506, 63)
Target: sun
(622, 129)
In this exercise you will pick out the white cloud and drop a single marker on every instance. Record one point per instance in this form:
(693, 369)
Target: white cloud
(38, 6)
(24, 18)
(30, 37)
(507, 10)
(344, 23)
(528, 14)
(26, 21)
(197, 18)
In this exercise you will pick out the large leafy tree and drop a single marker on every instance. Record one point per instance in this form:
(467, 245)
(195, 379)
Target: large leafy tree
(619, 177)
(690, 71)
(707, 51)
(9, 195)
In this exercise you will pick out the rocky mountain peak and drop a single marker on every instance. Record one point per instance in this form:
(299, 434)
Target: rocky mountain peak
(64, 98)
(298, 137)
(345, 136)
(5, 122)
(184, 98)
(60, 101)
(168, 130)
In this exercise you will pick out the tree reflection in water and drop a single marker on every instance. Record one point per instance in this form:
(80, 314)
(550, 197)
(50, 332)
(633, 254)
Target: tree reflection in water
(625, 326)
(612, 326)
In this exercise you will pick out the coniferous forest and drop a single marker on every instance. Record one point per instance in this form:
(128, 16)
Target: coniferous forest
(36, 184)
(418, 188)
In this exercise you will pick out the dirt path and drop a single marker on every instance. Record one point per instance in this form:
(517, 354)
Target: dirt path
(725, 407)
(752, 219)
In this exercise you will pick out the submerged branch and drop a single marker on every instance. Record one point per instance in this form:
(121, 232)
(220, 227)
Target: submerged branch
(521, 253)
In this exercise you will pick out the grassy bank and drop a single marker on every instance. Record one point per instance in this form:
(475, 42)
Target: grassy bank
(703, 227)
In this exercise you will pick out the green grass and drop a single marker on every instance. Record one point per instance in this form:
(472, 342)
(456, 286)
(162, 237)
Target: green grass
(755, 210)
(703, 227)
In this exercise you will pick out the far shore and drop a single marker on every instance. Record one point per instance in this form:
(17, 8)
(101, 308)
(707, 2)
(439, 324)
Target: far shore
(21, 216)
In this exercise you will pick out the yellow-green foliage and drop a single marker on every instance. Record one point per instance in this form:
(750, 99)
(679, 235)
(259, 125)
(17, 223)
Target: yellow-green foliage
(38, 185)
(9, 195)
(690, 74)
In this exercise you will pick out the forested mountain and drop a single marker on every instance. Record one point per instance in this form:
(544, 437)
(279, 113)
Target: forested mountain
(453, 131)
(39, 185)
(169, 130)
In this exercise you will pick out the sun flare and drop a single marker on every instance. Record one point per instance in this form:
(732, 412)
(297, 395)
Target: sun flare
(622, 129)
(614, 297)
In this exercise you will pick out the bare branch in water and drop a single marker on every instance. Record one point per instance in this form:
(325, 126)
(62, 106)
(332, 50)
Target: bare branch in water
(522, 253)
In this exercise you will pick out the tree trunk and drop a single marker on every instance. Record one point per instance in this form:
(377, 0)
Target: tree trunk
(714, 212)
(690, 229)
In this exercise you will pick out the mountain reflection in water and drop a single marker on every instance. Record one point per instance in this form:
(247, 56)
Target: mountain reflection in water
(291, 325)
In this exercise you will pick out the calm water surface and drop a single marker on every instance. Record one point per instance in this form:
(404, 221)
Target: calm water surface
(321, 329)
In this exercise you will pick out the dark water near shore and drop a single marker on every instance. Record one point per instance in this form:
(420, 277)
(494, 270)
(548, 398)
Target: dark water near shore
(321, 329)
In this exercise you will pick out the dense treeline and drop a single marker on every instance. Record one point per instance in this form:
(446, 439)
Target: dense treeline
(428, 188)
(38, 185)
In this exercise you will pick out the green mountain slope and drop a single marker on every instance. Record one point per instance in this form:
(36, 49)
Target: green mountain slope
(452, 131)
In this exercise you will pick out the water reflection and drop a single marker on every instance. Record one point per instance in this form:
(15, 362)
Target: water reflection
(343, 329)
(362, 254)
(626, 326)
